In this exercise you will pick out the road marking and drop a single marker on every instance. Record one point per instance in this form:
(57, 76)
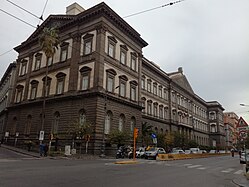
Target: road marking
(188, 164)
(227, 170)
(194, 166)
(239, 172)
(202, 168)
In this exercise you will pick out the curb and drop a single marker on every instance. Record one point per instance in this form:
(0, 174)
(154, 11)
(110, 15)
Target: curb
(20, 151)
(239, 184)
(126, 162)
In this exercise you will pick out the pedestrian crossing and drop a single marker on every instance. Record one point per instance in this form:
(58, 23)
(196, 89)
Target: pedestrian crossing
(195, 166)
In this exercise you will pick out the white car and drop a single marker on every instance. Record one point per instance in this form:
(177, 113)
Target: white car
(153, 152)
(178, 151)
(243, 158)
(140, 152)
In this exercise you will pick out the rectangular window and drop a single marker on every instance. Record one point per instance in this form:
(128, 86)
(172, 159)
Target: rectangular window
(143, 106)
(50, 61)
(155, 89)
(160, 112)
(160, 92)
(155, 111)
(123, 57)
(165, 94)
(47, 89)
(33, 92)
(133, 63)
(37, 63)
(111, 49)
(122, 89)
(143, 83)
(133, 93)
(149, 86)
(149, 109)
(23, 68)
(87, 47)
(19, 96)
(60, 86)
(110, 84)
(85, 82)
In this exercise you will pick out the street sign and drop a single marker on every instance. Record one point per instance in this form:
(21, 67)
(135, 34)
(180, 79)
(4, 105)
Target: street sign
(153, 135)
(41, 136)
(154, 140)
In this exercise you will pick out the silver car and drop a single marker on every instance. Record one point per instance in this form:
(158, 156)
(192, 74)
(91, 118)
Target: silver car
(153, 152)
(244, 157)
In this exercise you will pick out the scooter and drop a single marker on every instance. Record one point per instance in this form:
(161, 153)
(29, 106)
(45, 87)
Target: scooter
(120, 153)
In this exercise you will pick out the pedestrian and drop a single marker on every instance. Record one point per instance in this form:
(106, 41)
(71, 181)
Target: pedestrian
(232, 153)
(41, 149)
(45, 149)
(239, 153)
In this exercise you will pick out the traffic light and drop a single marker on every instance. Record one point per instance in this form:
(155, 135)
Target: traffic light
(135, 132)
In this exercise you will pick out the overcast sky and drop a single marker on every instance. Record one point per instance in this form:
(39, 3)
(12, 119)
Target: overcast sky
(208, 38)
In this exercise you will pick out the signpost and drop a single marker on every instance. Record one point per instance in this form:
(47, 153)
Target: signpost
(135, 135)
(154, 138)
(41, 136)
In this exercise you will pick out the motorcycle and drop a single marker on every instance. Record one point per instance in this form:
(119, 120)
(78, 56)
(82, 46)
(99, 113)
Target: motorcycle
(120, 153)
(124, 152)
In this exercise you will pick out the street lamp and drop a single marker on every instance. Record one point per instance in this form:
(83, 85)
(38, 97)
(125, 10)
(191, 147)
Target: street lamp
(242, 104)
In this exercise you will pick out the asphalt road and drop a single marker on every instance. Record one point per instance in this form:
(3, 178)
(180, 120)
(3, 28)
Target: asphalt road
(20, 170)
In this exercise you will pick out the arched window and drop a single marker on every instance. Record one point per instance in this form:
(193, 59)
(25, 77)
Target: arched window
(133, 123)
(121, 122)
(28, 125)
(55, 124)
(82, 117)
(108, 119)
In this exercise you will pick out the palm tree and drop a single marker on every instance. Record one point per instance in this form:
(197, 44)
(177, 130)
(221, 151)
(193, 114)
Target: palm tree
(49, 41)
(146, 132)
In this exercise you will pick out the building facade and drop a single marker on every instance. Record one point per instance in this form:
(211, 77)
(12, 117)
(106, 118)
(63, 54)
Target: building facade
(230, 122)
(99, 75)
(6, 91)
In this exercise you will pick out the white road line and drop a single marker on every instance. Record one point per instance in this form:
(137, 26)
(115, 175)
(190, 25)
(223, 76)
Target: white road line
(202, 168)
(227, 170)
(194, 166)
(239, 172)
(188, 164)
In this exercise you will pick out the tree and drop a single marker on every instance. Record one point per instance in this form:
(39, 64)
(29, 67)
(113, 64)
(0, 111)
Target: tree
(119, 137)
(169, 141)
(80, 131)
(49, 41)
(146, 132)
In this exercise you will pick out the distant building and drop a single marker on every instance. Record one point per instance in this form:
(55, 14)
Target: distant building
(230, 122)
(99, 75)
(6, 93)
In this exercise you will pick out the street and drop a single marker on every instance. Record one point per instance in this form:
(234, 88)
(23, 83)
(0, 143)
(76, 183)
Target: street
(21, 170)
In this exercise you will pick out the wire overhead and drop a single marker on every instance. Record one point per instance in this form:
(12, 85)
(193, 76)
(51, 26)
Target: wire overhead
(43, 10)
(25, 10)
(162, 6)
(17, 18)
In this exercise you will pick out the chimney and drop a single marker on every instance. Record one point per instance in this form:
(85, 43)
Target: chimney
(180, 70)
(74, 9)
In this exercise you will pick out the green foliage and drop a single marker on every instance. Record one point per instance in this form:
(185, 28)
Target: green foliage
(119, 137)
(161, 140)
(79, 131)
(49, 41)
(146, 132)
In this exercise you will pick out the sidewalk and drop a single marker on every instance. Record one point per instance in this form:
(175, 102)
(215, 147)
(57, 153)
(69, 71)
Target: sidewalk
(242, 181)
(22, 151)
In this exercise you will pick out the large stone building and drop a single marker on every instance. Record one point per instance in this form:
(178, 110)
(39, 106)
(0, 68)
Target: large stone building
(6, 91)
(230, 122)
(99, 74)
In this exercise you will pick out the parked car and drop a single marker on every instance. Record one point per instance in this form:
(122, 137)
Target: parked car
(244, 157)
(140, 152)
(194, 150)
(153, 152)
(212, 151)
(187, 151)
(178, 151)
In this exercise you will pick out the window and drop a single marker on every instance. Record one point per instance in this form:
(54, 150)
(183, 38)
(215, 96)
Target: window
(38, 58)
(111, 46)
(143, 82)
(28, 125)
(47, 88)
(60, 83)
(122, 85)
(143, 99)
(213, 128)
(19, 91)
(82, 117)
(155, 110)
(123, 54)
(160, 111)
(85, 77)
(50, 61)
(33, 92)
(64, 51)
(149, 107)
(108, 119)
(134, 61)
(155, 88)
(110, 80)
(88, 40)
(133, 124)
(160, 92)
(23, 67)
(121, 122)
(55, 124)
(149, 85)
(133, 85)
